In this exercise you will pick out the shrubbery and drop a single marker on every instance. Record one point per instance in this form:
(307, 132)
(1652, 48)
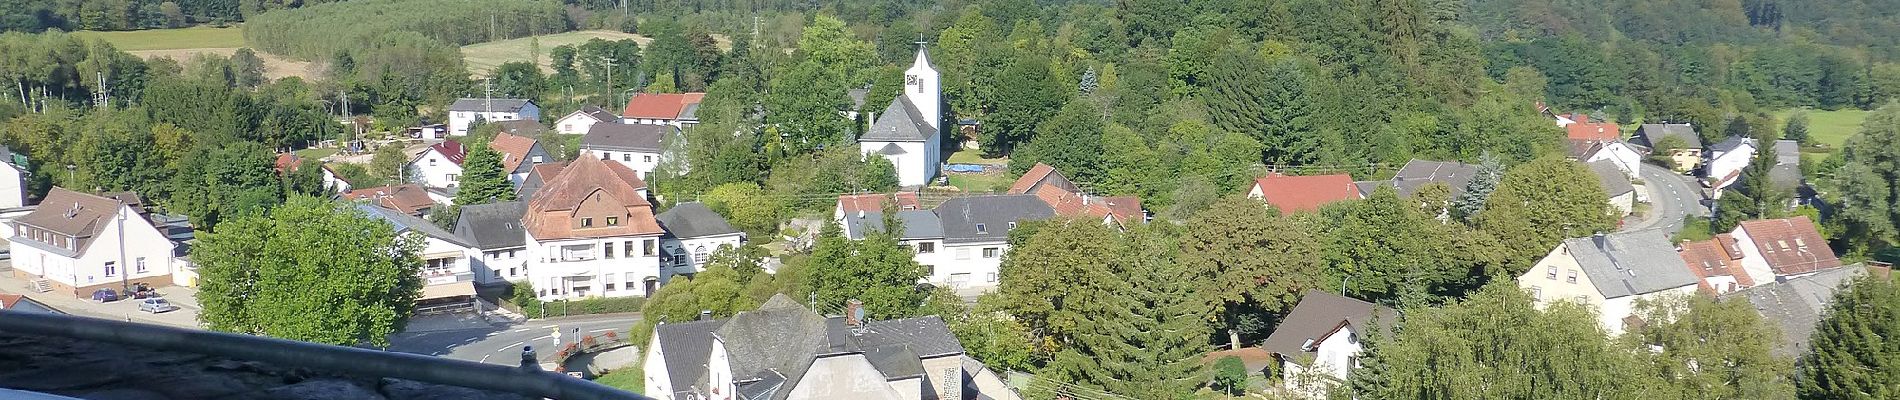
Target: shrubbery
(523, 295)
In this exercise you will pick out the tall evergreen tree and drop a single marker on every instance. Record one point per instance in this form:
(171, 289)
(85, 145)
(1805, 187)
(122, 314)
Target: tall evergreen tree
(1797, 128)
(1482, 183)
(482, 180)
(1851, 354)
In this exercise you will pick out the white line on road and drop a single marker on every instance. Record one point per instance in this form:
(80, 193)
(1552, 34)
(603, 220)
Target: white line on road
(485, 357)
(600, 330)
(519, 330)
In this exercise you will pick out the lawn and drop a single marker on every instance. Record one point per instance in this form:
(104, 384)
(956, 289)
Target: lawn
(1829, 128)
(197, 37)
(482, 57)
(975, 157)
(314, 154)
(979, 182)
(630, 379)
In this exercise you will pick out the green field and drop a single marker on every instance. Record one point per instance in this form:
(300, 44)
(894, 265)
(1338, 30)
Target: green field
(1829, 128)
(975, 157)
(482, 57)
(630, 379)
(198, 37)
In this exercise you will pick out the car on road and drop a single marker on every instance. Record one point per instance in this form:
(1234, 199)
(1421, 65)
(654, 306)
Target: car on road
(105, 295)
(156, 305)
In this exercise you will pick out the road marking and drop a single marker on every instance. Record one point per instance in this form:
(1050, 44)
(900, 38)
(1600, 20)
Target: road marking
(600, 330)
(519, 330)
(485, 356)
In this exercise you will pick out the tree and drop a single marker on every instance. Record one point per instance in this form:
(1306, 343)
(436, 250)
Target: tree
(1057, 279)
(746, 206)
(225, 181)
(874, 270)
(1866, 180)
(482, 179)
(1071, 141)
(1026, 95)
(1713, 349)
(1246, 257)
(249, 69)
(1797, 128)
(518, 79)
(1483, 182)
(1230, 374)
(1275, 103)
(1386, 251)
(311, 270)
(1849, 357)
(1540, 203)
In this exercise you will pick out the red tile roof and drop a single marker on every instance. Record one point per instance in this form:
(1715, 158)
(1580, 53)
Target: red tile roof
(1716, 257)
(8, 300)
(1599, 131)
(407, 198)
(1039, 176)
(513, 150)
(874, 202)
(1791, 246)
(1293, 194)
(660, 105)
(288, 162)
(552, 210)
(451, 150)
(1121, 209)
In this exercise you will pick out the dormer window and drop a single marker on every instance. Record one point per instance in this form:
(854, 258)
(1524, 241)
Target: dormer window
(613, 221)
(587, 222)
(981, 229)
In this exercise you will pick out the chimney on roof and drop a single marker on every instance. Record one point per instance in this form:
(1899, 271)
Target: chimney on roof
(854, 312)
(73, 212)
(1601, 241)
(705, 315)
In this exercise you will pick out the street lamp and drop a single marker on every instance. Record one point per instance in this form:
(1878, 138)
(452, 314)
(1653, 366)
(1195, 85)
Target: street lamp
(69, 174)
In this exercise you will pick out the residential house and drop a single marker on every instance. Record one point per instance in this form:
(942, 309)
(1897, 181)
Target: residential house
(335, 182)
(1418, 173)
(923, 237)
(439, 165)
(638, 147)
(1067, 200)
(447, 275)
(1718, 262)
(1610, 272)
(677, 109)
(1297, 194)
(1624, 156)
(976, 235)
(19, 303)
(1616, 186)
(1686, 158)
(499, 244)
(1584, 129)
(1796, 305)
(409, 198)
(12, 178)
(1318, 343)
(693, 233)
(1726, 162)
(427, 131)
(783, 351)
(591, 232)
(519, 155)
(466, 112)
(1786, 174)
(538, 176)
(76, 243)
(579, 121)
(908, 132)
(1778, 249)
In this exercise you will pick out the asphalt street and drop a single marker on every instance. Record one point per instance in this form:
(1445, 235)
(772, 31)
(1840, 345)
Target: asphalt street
(1672, 196)
(501, 344)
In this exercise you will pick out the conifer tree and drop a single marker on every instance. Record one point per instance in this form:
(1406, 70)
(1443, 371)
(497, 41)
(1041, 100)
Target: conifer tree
(482, 180)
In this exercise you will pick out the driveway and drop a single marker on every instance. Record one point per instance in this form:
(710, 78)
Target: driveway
(1672, 196)
(501, 343)
(124, 310)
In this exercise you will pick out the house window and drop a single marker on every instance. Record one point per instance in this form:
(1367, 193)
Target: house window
(511, 254)
(963, 254)
(112, 269)
(139, 267)
(679, 259)
(990, 252)
(511, 271)
(650, 248)
(613, 221)
(432, 162)
(647, 158)
(1551, 273)
(610, 286)
(699, 255)
(605, 156)
(628, 247)
(926, 248)
(1537, 293)
(455, 177)
(610, 249)
(626, 157)
(990, 276)
(981, 229)
(1571, 277)
(1012, 225)
(589, 223)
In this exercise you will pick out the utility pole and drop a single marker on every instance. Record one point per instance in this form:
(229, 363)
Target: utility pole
(613, 95)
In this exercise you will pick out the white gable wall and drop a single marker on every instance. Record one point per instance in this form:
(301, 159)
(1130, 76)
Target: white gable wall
(575, 123)
(1621, 154)
(640, 162)
(963, 265)
(1721, 165)
(916, 167)
(659, 381)
(12, 186)
(433, 169)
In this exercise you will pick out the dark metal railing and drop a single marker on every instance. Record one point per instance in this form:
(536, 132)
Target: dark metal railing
(526, 380)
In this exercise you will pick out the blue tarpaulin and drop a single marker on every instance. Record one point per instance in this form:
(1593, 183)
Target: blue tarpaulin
(964, 167)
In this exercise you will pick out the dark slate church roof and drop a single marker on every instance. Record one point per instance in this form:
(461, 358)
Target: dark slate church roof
(901, 122)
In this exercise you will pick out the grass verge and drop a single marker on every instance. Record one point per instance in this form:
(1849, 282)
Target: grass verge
(631, 378)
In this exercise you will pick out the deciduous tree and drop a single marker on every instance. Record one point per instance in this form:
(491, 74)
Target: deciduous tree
(1541, 202)
(1245, 256)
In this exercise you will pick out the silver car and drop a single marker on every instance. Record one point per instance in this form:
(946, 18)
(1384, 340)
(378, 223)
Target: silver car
(156, 306)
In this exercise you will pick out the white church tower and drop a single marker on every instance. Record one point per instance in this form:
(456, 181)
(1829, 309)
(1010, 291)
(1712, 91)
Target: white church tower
(907, 132)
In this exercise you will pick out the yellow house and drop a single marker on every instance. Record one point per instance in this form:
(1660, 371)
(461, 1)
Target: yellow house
(1609, 272)
(1686, 158)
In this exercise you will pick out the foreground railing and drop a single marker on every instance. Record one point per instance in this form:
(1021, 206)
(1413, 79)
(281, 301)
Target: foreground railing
(527, 380)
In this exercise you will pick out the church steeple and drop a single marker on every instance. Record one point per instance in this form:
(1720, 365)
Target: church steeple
(921, 87)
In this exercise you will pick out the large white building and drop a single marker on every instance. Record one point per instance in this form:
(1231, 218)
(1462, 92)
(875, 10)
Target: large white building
(1727, 159)
(639, 147)
(447, 275)
(693, 233)
(78, 243)
(465, 112)
(1610, 272)
(439, 165)
(579, 121)
(497, 241)
(908, 131)
(591, 232)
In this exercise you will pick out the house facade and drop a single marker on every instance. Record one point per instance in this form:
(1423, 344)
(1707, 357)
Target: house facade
(1319, 342)
(908, 132)
(12, 178)
(465, 112)
(579, 121)
(448, 276)
(591, 232)
(1775, 250)
(497, 241)
(438, 166)
(676, 109)
(1624, 156)
(693, 233)
(1726, 161)
(1609, 272)
(519, 154)
(78, 242)
(1616, 186)
(976, 236)
(639, 147)
(1686, 158)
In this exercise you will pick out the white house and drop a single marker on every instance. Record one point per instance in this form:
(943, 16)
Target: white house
(1624, 156)
(693, 233)
(1616, 186)
(12, 178)
(447, 276)
(499, 244)
(439, 166)
(677, 109)
(976, 235)
(639, 147)
(1726, 161)
(519, 154)
(334, 182)
(1774, 250)
(577, 122)
(1318, 343)
(76, 243)
(1610, 272)
(591, 232)
(466, 112)
(908, 131)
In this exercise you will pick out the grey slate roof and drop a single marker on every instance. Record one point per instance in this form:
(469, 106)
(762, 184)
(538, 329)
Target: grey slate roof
(492, 226)
(780, 336)
(1630, 263)
(961, 215)
(918, 224)
(626, 137)
(1731, 144)
(1612, 178)
(408, 222)
(1418, 173)
(1651, 133)
(687, 346)
(1787, 171)
(1796, 305)
(926, 336)
(690, 112)
(895, 362)
(694, 219)
(598, 114)
(1316, 315)
(901, 122)
(492, 105)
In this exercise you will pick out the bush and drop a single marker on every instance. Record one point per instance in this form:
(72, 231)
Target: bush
(1230, 375)
(523, 296)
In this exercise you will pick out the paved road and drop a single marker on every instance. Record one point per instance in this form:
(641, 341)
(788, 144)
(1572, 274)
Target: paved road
(501, 344)
(1672, 196)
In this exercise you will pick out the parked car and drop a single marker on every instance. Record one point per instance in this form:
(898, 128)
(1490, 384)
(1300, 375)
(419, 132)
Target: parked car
(105, 295)
(156, 305)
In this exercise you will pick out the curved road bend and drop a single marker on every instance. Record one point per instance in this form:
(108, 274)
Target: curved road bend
(501, 344)
(1672, 196)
